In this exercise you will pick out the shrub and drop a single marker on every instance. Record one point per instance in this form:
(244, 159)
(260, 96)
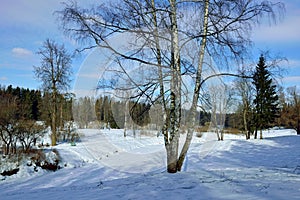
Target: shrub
(49, 161)
(10, 172)
(199, 134)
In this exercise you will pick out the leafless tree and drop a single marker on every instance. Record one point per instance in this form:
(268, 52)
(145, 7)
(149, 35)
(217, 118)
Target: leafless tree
(166, 34)
(54, 73)
(8, 121)
(28, 132)
(220, 97)
(292, 111)
(244, 90)
(14, 129)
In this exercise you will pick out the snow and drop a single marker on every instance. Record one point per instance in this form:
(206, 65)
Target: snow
(105, 165)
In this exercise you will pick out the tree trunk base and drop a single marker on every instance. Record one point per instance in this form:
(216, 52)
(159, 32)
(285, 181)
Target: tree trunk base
(172, 169)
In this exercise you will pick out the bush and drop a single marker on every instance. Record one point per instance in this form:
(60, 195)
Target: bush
(232, 131)
(10, 172)
(203, 128)
(9, 166)
(49, 161)
(199, 134)
(35, 158)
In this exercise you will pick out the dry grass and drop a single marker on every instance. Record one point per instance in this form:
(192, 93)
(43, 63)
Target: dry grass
(202, 129)
(233, 131)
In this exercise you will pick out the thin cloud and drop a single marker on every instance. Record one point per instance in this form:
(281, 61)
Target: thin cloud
(291, 79)
(36, 13)
(21, 52)
(294, 63)
(286, 31)
(3, 78)
(92, 76)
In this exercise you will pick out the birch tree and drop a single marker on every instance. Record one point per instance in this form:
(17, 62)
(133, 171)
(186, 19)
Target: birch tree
(171, 38)
(245, 92)
(220, 97)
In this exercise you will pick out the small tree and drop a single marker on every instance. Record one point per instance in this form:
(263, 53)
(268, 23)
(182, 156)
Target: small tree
(266, 98)
(28, 131)
(8, 121)
(290, 113)
(218, 102)
(54, 73)
(244, 91)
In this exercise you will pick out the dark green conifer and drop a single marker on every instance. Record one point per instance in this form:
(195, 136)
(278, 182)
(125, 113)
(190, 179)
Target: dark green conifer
(266, 98)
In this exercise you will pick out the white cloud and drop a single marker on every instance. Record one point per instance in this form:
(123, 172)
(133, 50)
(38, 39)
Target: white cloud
(21, 52)
(294, 63)
(291, 80)
(3, 78)
(287, 30)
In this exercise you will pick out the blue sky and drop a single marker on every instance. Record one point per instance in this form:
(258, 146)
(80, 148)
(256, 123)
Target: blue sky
(26, 24)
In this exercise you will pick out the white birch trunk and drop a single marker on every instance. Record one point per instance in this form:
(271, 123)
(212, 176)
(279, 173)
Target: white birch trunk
(193, 109)
(175, 97)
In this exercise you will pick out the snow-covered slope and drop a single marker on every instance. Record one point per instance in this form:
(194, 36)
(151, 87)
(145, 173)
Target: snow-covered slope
(105, 165)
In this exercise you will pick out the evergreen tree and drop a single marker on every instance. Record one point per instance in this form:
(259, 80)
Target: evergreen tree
(266, 98)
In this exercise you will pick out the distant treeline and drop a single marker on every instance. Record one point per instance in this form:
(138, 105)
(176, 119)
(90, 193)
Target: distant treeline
(109, 110)
(26, 104)
(35, 104)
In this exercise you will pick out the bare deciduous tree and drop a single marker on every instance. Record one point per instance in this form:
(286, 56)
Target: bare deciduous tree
(171, 38)
(291, 111)
(8, 121)
(244, 90)
(28, 132)
(54, 73)
(220, 97)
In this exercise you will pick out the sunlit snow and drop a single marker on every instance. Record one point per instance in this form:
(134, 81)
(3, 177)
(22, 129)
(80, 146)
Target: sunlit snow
(105, 165)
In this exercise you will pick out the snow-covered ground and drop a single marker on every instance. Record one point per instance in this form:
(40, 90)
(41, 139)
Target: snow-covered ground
(105, 165)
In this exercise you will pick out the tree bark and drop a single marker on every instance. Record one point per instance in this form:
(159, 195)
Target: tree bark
(163, 116)
(193, 109)
(261, 135)
(255, 133)
(245, 117)
(53, 120)
(172, 143)
(172, 154)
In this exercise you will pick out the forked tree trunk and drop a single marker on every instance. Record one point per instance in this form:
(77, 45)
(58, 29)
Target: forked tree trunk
(171, 138)
(172, 155)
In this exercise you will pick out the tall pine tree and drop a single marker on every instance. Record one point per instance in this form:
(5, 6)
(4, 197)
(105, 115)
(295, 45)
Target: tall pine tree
(266, 98)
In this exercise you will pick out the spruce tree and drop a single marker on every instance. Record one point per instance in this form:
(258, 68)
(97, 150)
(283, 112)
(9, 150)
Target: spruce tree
(266, 98)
